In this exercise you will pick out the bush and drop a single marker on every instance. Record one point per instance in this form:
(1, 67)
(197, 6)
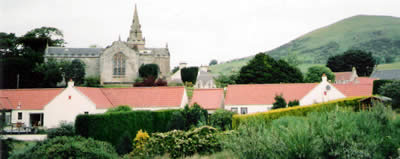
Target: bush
(124, 144)
(177, 143)
(338, 134)
(293, 103)
(140, 142)
(279, 102)
(378, 84)
(189, 74)
(109, 127)
(149, 70)
(221, 119)
(118, 109)
(314, 74)
(65, 129)
(68, 147)
(92, 81)
(392, 90)
(189, 117)
(297, 111)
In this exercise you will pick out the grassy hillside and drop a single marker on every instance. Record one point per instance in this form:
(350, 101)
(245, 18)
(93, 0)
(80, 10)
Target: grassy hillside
(378, 34)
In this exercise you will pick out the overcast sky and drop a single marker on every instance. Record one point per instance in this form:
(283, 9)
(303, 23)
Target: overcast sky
(196, 31)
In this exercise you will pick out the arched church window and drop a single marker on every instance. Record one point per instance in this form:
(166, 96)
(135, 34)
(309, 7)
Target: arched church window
(119, 64)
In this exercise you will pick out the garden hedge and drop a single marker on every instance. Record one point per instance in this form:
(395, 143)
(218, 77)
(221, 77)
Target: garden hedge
(296, 111)
(109, 127)
(378, 84)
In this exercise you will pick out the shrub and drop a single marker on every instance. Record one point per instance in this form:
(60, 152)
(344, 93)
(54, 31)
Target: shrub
(314, 74)
(338, 134)
(189, 117)
(65, 129)
(68, 147)
(189, 74)
(109, 127)
(392, 90)
(139, 143)
(124, 144)
(378, 84)
(221, 119)
(92, 81)
(279, 102)
(118, 109)
(296, 111)
(149, 70)
(177, 143)
(293, 103)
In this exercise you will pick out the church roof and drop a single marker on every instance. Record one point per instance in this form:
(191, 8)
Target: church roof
(205, 76)
(159, 51)
(61, 51)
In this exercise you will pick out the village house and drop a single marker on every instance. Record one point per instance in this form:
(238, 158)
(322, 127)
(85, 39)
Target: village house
(346, 77)
(253, 98)
(49, 107)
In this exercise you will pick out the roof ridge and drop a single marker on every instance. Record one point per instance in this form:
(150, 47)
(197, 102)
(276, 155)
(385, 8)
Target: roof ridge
(273, 84)
(112, 104)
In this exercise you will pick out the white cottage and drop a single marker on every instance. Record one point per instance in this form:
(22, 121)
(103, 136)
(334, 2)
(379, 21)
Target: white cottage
(49, 107)
(252, 98)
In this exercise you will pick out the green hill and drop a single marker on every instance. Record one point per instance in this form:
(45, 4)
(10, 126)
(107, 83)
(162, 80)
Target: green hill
(378, 34)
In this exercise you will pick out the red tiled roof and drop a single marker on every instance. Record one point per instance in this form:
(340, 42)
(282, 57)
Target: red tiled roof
(353, 90)
(365, 80)
(262, 94)
(97, 96)
(145, 96)
(5, 103)
(30, 99)
(343, 75)
(209, 99)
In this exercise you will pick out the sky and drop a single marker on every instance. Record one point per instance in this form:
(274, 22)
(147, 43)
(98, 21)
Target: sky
(196, 31)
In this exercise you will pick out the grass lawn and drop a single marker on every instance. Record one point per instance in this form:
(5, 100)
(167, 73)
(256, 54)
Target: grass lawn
(390, 66)
(189, 91)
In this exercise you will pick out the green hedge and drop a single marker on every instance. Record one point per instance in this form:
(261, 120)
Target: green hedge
(378, 84)
(296, 111)
(109, 127)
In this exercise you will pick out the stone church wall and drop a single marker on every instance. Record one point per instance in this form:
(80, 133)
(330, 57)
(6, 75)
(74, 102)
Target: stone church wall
(162, 62)
(92, 64)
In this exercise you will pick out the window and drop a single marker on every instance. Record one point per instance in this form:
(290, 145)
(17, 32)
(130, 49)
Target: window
(243, 110)
(234, 109)
(19, 115)
(119, 64)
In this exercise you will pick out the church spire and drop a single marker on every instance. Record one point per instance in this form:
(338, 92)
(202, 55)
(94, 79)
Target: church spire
(135, 34)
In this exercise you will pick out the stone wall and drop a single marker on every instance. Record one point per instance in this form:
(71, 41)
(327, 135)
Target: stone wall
(162, 61)
(92, 64)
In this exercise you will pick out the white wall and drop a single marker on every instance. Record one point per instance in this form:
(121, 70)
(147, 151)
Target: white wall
(63, 108)
(25, 116)
(250, 108)
(317, 95)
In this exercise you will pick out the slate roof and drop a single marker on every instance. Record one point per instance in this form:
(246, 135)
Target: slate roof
(30, 99)
(61, 51)
(386, 74)
(205, 76)
(264, 94)
(209, 99)
(159, 51)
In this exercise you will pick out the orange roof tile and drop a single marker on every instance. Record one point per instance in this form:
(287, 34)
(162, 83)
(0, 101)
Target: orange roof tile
(209, 99)
(97, 96)
(264, 94)
(5, 103)
(30, 99)
(145, 96)
(343, 75)
(353, 90)
(365, 80)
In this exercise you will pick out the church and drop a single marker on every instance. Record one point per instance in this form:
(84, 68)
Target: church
(119, 62)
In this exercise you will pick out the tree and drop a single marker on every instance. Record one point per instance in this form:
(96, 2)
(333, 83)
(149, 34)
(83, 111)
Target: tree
(51, 72)
(147, 70)
(175, 69)
(53, 36)
(363, 61)
(293, 103)
(279, 102)
(392, 90)
(189, 117)
(213, 62)
(189, 74)
(223, 81)
(264, 69)
(74, 70)
(314, 74)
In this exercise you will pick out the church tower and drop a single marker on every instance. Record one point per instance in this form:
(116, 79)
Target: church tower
(135, 39)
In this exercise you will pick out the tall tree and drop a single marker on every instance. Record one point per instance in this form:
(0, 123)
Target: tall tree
(363, 61)
(51, 71)
(264, 69)
(314, 74)
(74, 70)
(189, 74)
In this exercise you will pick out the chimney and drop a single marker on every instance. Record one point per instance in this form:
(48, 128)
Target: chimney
(70, 83)
(354, 71)
(324, 78)
(182, 65)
